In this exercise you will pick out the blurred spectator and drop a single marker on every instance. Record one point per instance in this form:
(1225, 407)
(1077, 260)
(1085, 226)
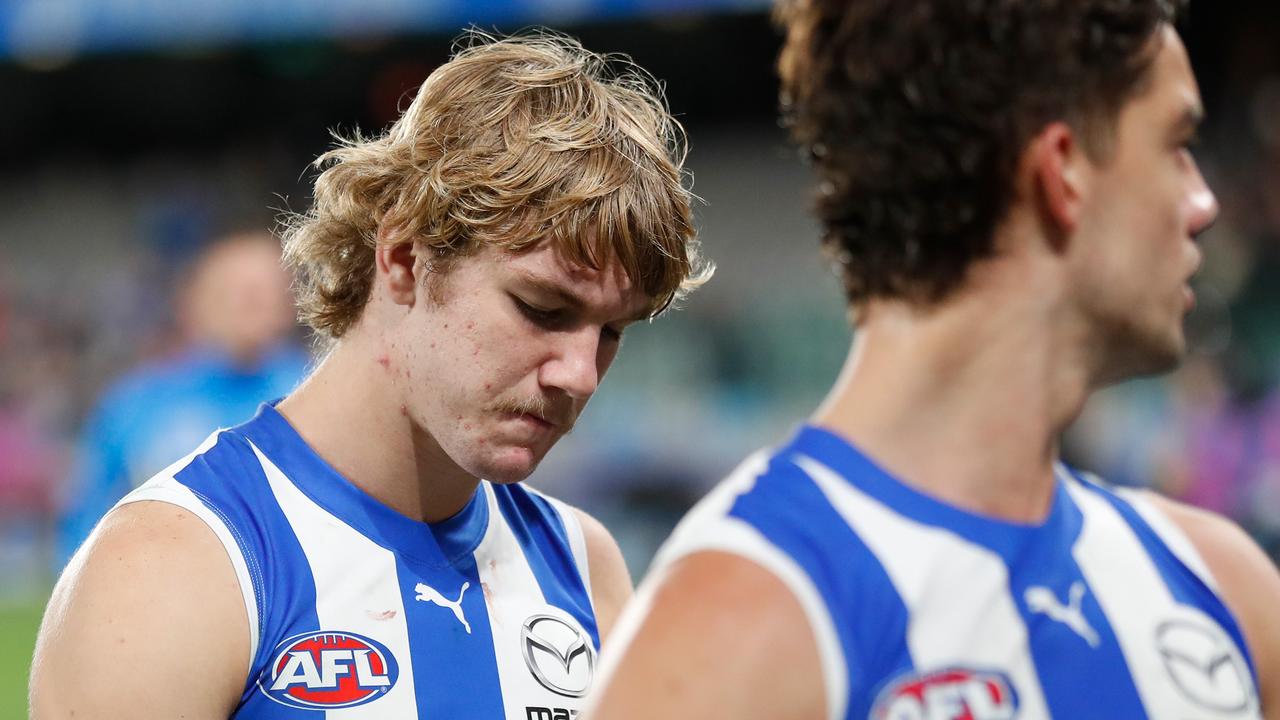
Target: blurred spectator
(236, 318)
(1233, 459)
(28, 456)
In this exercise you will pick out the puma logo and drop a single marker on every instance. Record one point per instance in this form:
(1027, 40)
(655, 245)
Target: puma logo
(1042, 600)
(430, 594)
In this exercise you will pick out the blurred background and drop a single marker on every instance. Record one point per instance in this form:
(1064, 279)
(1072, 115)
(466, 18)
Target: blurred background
(136, 133)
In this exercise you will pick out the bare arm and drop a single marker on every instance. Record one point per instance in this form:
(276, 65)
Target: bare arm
(715, 636)
(610, 580)
(1250, 585)
(147, 622)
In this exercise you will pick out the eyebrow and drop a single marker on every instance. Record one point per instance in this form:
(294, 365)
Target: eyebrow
(567, 296)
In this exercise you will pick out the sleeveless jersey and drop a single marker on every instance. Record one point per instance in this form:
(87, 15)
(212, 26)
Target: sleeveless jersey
(356, 611)
(922, 611)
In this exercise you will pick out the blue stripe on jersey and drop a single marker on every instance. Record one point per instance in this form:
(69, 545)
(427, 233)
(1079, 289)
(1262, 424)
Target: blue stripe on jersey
(1006, 539)
(547, 550)
(1035, 555)
(1187, 587)
(790, 510)
(455, 673)
(329, 489)
(1046, 561)
(229, 480)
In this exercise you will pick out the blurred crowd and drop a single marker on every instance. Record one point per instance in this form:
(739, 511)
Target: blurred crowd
(116, 302)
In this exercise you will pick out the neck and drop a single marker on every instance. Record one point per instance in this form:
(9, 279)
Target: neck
(349, 411)
(965, 400)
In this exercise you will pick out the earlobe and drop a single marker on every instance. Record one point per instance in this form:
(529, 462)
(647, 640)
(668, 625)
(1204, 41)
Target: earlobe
(395, 264)
(1055, 158)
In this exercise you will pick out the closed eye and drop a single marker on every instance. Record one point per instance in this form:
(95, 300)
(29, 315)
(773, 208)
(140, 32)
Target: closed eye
(561, 319)
(550, 318)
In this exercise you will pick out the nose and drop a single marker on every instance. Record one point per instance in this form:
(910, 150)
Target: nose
(573, 366)
(1204, 206)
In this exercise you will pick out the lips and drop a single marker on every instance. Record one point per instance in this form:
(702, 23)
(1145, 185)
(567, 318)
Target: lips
(537, 420)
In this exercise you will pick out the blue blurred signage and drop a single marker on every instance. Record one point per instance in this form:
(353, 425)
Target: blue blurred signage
(35, 29)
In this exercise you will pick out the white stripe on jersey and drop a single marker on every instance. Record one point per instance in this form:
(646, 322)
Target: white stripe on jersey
(1170, 533)
(346, 565)
(1135, 599)
(709, 528)
(162, 488)
(512, 591)
(945, 583)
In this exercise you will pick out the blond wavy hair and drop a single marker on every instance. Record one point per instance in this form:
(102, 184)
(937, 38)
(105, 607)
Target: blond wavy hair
(511, 143)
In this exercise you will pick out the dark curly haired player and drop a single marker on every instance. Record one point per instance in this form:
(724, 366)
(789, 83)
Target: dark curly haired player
(1007, 190)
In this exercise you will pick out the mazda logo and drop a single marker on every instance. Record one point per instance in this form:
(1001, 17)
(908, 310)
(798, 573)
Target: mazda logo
(1203, 665)
(559, 655)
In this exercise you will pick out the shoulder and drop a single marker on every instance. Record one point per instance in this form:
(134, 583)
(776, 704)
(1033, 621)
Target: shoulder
(767, 510)
(610, 579)
(1247, 579)
(600, 562)
(152, 582)
(725, 620)
(751, 556)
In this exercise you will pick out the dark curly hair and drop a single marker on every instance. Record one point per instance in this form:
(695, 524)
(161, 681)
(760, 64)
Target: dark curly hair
(915, 114)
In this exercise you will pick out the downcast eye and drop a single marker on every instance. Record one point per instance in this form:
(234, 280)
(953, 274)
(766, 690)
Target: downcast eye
(545, 317)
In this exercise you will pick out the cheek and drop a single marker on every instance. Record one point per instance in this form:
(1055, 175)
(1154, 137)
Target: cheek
(608, 352)
(495, 359)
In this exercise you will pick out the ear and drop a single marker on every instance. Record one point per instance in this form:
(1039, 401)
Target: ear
(1057, 165)
(395, 265)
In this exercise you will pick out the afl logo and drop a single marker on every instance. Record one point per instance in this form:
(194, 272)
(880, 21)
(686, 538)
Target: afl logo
(323, 670)
(954, 694)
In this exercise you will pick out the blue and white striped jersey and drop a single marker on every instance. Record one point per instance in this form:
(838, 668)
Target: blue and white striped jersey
(357, 611)
(923, 611)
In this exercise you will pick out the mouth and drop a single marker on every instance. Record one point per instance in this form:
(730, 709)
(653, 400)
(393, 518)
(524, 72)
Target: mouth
(1189, 295)
(533, 422)
(537, 420)
(539, 414)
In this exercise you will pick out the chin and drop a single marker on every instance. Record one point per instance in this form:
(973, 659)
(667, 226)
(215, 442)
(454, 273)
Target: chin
(1149, 355)
(512, 465)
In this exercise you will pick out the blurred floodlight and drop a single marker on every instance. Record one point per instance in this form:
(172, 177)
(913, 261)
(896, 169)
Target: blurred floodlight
(44, 34)
(37, 31)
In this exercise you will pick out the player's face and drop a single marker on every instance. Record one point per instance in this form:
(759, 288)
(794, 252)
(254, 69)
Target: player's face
(503, 357)
(1147, 203)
